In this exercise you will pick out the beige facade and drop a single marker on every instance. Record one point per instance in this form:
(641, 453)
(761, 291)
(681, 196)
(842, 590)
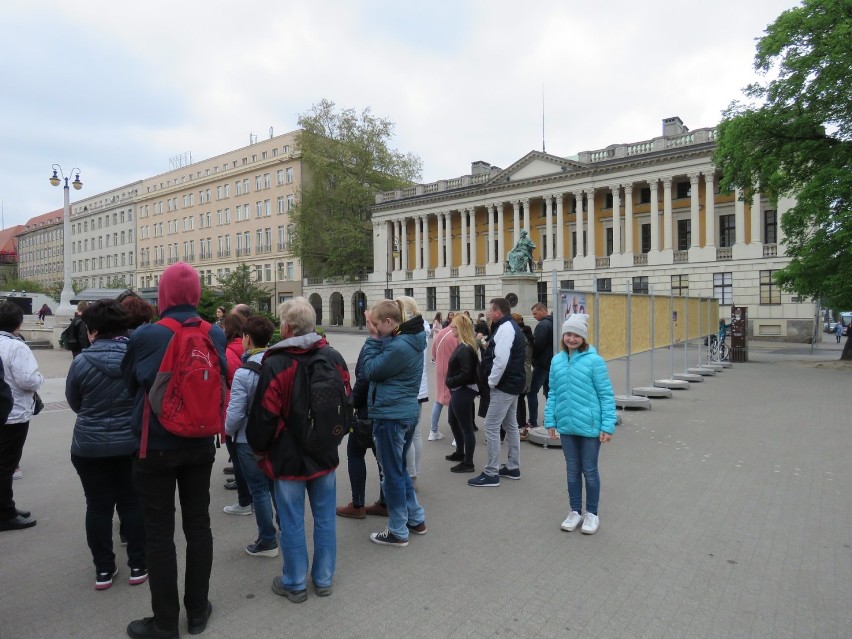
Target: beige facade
(40, 243)
(103, 239)
(218, 213)
(647, 214)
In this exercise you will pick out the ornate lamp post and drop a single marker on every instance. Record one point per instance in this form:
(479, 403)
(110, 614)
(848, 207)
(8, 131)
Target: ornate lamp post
(65, 307)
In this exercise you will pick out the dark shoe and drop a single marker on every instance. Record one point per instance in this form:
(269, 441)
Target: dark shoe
(484, 481)
(296, 596)
(455, 457)
(378, 509)
(228, 470)
(463, 468)
(147, 629)
(137, 576)
(509, 473)
(387, 538)
(419, 529)
(122, 539)
(23, 513)
(103, 580)
(197, 625)
(17, 522)
(322, 591)
(351, 511)
(231, 484)
(263, 549)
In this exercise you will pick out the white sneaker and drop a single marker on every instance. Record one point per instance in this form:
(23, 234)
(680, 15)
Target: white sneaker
(453, 444)
(18, 473)
(571, 522)
(435, 436)
(590, 524)
(236, 509)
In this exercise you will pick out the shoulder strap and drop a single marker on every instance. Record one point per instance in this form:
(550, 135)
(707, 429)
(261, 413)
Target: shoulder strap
(252, 366)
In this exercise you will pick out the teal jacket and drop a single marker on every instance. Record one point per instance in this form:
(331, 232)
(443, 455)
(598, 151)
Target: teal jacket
(395, 368)
(580, 401)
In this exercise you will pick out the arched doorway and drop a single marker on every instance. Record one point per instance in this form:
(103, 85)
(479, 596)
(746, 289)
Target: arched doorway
(336, 304)
(316, 302)
(359, 305)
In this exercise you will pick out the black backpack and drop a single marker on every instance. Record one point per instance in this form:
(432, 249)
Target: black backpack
(69, 339)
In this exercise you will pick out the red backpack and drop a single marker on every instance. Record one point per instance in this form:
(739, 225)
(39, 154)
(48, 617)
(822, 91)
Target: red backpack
(188, 393)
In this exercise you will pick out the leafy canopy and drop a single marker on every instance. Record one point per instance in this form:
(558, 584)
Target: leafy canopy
(794, 139)
(238, 287)
(346, 160)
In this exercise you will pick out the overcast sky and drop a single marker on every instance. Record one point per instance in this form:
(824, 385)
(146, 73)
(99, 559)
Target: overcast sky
(117, 88)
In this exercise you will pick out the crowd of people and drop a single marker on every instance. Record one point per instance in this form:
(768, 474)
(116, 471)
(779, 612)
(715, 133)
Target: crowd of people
(131, 461)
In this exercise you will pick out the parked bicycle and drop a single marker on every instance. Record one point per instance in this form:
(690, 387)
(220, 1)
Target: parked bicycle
(717, 350)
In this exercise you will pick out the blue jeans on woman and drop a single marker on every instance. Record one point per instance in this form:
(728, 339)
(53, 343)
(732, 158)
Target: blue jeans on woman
(393, 439)
(290, 499)
(581, 459)
(260, 487)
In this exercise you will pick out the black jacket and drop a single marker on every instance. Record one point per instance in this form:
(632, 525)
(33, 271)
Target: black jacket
(543, 343)
(462, 367)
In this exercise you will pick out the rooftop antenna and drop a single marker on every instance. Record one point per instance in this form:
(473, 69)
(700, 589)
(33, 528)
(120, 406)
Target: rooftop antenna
(543, 150)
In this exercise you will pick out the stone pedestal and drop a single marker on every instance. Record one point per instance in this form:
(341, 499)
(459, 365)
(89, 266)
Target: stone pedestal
(521, 289)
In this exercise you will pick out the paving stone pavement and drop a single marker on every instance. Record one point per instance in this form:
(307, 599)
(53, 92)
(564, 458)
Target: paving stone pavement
(725, 512)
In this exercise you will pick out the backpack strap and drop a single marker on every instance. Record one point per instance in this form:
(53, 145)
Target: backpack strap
(252, 366)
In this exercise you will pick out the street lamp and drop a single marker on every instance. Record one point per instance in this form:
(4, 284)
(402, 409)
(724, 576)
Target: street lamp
(65, 307)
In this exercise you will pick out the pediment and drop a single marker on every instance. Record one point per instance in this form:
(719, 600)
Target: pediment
(535, 164)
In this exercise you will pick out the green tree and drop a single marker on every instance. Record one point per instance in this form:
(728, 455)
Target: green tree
(29, 286)
(793, 138)
(346, 160)
(210, 299)
(238, 287)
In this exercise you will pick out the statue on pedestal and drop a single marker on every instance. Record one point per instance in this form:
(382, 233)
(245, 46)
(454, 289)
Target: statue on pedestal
(519, 259)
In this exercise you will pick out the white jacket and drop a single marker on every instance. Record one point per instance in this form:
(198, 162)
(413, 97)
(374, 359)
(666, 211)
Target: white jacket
(21, 374)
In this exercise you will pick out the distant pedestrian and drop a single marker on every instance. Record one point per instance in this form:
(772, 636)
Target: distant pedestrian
(43, 312)
(542, 354)
(461, 378)
(79, 330)
(580, 410)
(838, 331)
(443, 345)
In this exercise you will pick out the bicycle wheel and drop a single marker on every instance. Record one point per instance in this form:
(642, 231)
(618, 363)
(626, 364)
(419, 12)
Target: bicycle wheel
(724, 351)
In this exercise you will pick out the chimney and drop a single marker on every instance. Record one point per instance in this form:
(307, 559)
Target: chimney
(479, 167)
(673, 126)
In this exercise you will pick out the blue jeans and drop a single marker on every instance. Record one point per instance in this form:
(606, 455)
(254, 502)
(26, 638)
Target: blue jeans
(540, 379)
(260, 487)
(393, 439)
(436, 416)
(581, 460)
(290, 499)
(502, 412)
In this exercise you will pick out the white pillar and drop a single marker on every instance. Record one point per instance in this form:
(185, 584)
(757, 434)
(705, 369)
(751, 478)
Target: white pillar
(581, 245)
(655, 215)
(616, 219)
(489, 252)
(381, 244)
(426, 259)
(667, 214)
(516, 222)
(464, 254)
(527, 222)
(739, 217)
(560, 227)
(439, 220)
(547, 206)
(590, 197)
(418, 246)
(709, 210)
(473, 258)
(628, 219)
(448, 230)
(403, 244)
(693, 210)
(755, 219)
(501, 248)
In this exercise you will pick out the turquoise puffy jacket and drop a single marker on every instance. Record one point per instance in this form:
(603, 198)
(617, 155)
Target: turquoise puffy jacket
(394, 368)
(580, 401)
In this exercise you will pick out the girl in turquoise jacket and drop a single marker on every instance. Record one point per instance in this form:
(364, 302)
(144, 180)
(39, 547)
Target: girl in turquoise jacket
(581, 410)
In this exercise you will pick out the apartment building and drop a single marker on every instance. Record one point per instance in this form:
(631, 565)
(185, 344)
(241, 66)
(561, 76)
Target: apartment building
(103, 245)
(648, 215)
(218, 213)
(40, 243)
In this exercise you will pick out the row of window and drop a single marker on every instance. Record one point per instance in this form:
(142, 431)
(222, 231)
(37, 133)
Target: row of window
(105, 280)
(262, 273)
(104, 261)
(39, 269)
(102, 221)
(103, 241)
(263, 243)
(40, 238)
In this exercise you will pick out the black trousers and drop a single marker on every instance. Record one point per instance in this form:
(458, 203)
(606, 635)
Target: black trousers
(12, 439)
(108, 486)
(155, 479)
(243, 492)
(461, 421)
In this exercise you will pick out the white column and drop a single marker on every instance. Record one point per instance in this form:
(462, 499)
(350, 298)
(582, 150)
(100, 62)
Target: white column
(464, 255)
(547, 206)
(709, 210)
(755, 219)
(616, 219)
(655, 215)
(560, 227)
(448, 231)
(693, 210)
(439, 220)
(739, 217)
(628, 219)
(426, 259)
(380, 247)
(489, 250)
(590, 198)
(516, 221)
(403, 244)
(581, 245)
(667, 214)
(527, 222)
(418, 247)
(473, 259)
(501, 248)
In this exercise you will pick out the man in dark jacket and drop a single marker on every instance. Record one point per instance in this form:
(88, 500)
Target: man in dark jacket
(294, 470)
(172, 461)
(503, 365)
(542, 354)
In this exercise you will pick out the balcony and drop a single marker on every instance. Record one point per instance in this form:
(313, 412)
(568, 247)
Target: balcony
(173, 260)
(479, 270)
(640, 259)
(226, 253)
(454, 272)
(681, 257)
(770, 250)
(282, 246)
(724, 254)
(189, 258)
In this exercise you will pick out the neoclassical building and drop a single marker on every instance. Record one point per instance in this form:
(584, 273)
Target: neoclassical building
(647, 214)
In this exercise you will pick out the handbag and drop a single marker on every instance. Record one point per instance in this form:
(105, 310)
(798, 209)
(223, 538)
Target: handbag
(362, 429)
(38, 405)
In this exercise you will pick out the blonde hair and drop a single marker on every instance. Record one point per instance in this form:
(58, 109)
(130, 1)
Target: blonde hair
(464, 328)
(299, 315)
(387, 309)
(408, 306)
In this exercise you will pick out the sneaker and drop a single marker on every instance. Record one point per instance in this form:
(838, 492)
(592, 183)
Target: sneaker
(571, 522)
(322, 591)
(231, 484)
(435, 436)
(485, 481)
(263, 549)
(454, 457)
(351, 511)
(18, 473)
(296, 596)
(103, 580)
(387, 538)
(463, 468)
(378, 509)
(228, 470)
(122, 539)
(147, 629)
(419, 529)
(236, 509)
(195, 625)
(509, 473)
(590, 524)
(137, 576)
